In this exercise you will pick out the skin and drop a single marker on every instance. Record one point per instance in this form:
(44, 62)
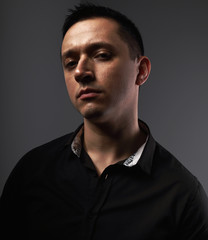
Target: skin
(97, 61)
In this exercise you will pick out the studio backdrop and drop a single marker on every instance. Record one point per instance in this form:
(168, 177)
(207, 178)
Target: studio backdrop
(35, 107)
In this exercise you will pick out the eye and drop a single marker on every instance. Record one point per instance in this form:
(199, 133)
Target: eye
(70, 64)
(104, 56)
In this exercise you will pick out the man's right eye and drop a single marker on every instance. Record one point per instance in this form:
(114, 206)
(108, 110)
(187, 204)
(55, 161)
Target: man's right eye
(70, 64)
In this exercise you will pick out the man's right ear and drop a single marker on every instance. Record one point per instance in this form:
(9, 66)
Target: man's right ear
(144, 68)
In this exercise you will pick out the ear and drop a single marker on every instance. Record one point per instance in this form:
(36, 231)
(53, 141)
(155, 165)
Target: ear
(144, 68)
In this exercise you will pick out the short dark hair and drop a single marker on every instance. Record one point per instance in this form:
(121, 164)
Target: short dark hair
(127, 29)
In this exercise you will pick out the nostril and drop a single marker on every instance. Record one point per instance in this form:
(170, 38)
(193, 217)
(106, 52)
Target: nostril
(84, 76)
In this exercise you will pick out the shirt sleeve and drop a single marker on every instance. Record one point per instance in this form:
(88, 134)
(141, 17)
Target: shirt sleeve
(194, 223)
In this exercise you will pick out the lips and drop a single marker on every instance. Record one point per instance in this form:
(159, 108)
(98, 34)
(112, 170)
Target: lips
(88, 93)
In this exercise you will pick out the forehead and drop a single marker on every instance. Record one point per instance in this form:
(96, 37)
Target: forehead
(89, 30)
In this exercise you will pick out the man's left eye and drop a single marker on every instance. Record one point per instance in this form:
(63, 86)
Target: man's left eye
(103, 56)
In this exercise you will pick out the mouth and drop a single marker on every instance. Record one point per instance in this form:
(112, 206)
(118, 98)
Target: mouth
(88, 93)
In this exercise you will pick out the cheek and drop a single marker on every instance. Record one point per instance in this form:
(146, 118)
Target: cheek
(109, 75)
(70, 85)
(117, 76)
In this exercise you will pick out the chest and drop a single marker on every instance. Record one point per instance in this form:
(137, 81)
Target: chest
(120, 204)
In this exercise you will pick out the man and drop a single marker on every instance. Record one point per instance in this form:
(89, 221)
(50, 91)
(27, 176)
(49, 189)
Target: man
(109, 179)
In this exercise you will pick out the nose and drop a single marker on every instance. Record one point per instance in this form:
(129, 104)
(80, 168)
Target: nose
(84, 70)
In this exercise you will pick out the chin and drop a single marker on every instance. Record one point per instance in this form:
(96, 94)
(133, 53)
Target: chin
(92, 114)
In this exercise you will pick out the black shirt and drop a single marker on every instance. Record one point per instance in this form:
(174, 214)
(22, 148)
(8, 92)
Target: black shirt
(54, 194)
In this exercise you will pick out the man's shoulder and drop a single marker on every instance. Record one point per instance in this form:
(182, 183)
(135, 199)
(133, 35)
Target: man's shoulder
(161, 163)
(44, 154)
(180, 184)
(49, 149)
(167, 160)
(51, 146)
(167, 166)
(35, 161)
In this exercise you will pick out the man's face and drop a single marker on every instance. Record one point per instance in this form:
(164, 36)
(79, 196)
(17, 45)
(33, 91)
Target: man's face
(99, 73)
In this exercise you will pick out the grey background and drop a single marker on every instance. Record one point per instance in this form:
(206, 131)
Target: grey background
(35, 107)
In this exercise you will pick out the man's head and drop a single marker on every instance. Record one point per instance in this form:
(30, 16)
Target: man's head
(101, 75)
(127, 30)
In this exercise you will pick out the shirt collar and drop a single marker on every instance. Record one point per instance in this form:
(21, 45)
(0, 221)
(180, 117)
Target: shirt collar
(76, 146)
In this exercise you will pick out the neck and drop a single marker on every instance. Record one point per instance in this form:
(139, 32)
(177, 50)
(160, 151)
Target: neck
(110, 142)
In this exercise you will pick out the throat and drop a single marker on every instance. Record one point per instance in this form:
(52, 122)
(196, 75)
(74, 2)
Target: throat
(105, 149)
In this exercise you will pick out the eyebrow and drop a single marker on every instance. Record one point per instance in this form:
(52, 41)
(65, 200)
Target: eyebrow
(90, 47)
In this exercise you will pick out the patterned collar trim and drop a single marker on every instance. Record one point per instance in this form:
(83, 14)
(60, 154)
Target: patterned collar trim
(76, 147)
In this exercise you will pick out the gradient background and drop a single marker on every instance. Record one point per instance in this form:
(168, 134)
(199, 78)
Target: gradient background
(35, 107)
